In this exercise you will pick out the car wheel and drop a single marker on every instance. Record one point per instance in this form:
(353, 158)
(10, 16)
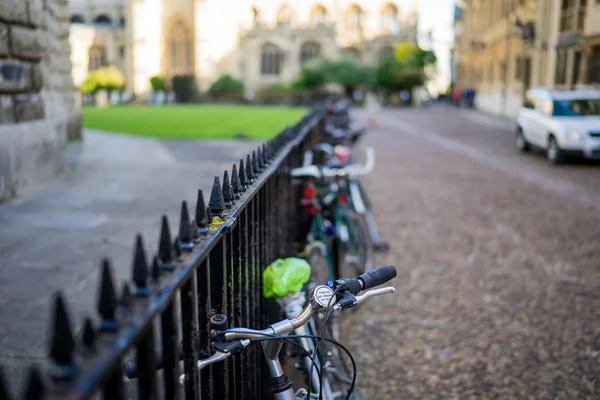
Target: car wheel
(522, 144)
(554, 155)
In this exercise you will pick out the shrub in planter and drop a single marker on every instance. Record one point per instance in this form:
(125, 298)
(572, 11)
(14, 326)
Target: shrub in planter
(158, 83)
(226, 84)
(184, 87)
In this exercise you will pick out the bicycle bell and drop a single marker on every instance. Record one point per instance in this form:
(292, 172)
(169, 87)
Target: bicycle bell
(323, 297)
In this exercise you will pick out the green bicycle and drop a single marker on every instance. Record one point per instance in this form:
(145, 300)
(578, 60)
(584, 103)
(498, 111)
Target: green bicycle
(338, 241)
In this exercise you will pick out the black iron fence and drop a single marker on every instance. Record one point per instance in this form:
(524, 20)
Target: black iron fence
(212, 266)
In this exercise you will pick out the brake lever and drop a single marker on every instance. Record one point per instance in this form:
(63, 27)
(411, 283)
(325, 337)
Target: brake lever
(349, 303)
(224, 351)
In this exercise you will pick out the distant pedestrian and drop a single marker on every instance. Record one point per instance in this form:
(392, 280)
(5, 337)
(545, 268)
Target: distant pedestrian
(373, 107)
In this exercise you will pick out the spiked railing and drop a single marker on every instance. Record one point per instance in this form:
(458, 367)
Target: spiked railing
(213, 265)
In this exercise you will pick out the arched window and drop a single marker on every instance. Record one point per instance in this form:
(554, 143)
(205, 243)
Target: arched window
(318, 14)
(354, 17)
(103, 19)
(180, 57)
(96, 57)
(77, 19)
(351, 52)
(271, 59)
(283, 14)
(386, 52)
(389, 19)
(309, 50)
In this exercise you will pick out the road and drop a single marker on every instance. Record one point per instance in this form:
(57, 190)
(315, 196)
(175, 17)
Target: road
(498, 292)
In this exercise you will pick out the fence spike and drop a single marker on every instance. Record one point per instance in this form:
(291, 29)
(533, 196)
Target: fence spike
(249, 169)
(265, 154)
(209, 213)
(107, 300)
(140, 268)
(235, 182)
(227, 192)
(165, 246)
(3, 387)
(201, 217)
(259, 159)
(177, 248)
(35, 388)
(195, 231)
(216, 202)
(88, 338)
(156, 269)
(243, 177)
(126, 297)
(255, 165)
(62, 343)
(185, 230)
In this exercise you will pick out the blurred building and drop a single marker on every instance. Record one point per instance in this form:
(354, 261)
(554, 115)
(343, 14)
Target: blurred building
(261, 41)
(504, 47)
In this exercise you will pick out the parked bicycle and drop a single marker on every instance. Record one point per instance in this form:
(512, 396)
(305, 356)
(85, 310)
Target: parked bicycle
(328, 375)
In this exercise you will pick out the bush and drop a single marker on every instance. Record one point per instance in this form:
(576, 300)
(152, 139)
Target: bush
(105, 78)
(185, 87)
(158, 83)
(226, 84)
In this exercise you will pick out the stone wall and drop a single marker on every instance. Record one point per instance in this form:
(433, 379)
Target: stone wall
(39, 106)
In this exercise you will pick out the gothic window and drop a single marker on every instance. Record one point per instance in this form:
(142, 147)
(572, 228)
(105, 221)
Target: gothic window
(309, 50)
(389, 19)
(77, 19)
(318, 14)
(351, 52)
(96, 58)
(180, 60)
(103, 19)
(271, 59)
(594, 65)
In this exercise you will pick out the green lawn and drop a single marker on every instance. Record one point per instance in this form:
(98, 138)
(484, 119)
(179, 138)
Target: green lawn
(192, 121)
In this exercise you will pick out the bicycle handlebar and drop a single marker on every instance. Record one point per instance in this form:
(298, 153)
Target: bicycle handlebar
(353, 170)
(235, 339)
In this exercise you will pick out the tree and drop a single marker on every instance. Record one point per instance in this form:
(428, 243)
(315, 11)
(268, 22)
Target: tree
(158, 83)
(406, 70)
(312, 76)
(349, 73)
(105, 78)
(226, 84)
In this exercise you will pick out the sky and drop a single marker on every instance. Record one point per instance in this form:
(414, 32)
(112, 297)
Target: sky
(437, 16)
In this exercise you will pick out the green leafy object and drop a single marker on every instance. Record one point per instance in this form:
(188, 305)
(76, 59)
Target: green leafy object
(226, 84)
(285, 276)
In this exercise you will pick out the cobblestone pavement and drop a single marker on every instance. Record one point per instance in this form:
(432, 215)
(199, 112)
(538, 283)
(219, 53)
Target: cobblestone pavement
(498, 292)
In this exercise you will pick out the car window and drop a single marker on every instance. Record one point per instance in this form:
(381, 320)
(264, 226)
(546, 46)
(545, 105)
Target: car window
(530, 102)
(576, 108)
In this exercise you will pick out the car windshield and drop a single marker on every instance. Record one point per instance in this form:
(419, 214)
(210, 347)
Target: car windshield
(576, 108)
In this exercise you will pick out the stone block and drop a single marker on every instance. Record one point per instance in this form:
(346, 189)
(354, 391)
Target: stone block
(36, 13)
(37, 77)
(13, 10)
(61, 12)
(28, 107)
(25, 43)
(15, 76)
(7, 111)
(50, 24)
(3, 39)
(50, 6)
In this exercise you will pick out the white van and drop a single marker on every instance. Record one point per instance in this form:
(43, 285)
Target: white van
(563, 123)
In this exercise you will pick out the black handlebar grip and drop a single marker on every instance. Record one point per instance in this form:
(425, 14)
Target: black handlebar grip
(378, 276)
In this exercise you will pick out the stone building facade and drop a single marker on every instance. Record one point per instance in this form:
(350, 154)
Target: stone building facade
(39, 109)
(259, 41)
(504, 47)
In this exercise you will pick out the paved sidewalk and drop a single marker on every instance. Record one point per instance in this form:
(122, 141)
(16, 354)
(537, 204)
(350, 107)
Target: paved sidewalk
(114, 186)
